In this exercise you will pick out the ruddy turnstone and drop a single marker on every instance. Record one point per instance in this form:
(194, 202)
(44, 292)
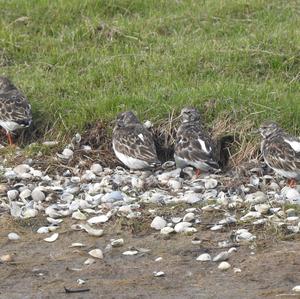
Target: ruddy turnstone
(281, 151)
(15, 111)
(193, 146)
(133, 144)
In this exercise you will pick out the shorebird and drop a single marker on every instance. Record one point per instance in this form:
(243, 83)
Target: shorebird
(193, 146)
(15, 111)
(281, 151)
(133, 144)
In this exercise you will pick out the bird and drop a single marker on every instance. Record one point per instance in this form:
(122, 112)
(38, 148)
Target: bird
(15, 110)
(133, 144)
(193, 146)
(280, 151)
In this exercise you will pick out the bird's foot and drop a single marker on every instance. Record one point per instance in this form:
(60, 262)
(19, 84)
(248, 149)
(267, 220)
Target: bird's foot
(197, 172)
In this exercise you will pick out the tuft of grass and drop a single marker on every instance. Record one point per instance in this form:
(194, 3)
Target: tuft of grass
(83, 61)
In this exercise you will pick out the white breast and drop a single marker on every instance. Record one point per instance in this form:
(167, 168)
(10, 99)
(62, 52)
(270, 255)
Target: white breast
(294, 144)
(10, 126)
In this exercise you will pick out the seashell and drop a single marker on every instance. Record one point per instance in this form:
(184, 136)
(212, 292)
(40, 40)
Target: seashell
(67, 153)
(196, 241)
(224, 266)
(158, 223)
(117, 242)
(25, 194)
(189, 217)
(222, 256)
(91, 231)
(22, 168)
(242, 235)
(80, 281)
(176, 219)
(168, 164)
(296, 289)
(148, 124)
(204, 257)
(190, 230)
(29, 213)
(88, 176)
(43, 230)
(228, 220)
(97, 169)
(36, 173)
(78, 215)
(6, 258)
(191, 198)
(159, 274)
(12, 194)
(98, 219)
(210, 183)
(10, 175)
(37, 195)
(112, 196)
(76, 245)
(52, 238)
(231, 250)
(216, 227)
(181, 227)
(237, 270)
(54, 221)
(137, 183)
(262, 208)
(167, 230)
(255, 198)
(158, 259)
(259, 221)
(251, 215)
(175, 184)
(254, 180)
(96, 253)
(130, 252)
(50, 143)
(13, 237)
(291, 194)
(89, 261)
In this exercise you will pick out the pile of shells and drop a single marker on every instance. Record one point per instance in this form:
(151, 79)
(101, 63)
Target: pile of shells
(93, 196)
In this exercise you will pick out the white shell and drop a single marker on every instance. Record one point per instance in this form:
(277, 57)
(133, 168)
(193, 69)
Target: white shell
(224, 266)
(13, 236)
(43, 230)
(12, 194)
(77, 245)
(117, 243)
(91, 231)
(158, 223)
(167, 230)
(188, 217)
(222, 256)
(130, 252)
(78, 215)
(296, 289)
(98, 219)
(204, 257)
(182, 226)
(89, 261)
(96, 253)
(159, 274)
(52, 238)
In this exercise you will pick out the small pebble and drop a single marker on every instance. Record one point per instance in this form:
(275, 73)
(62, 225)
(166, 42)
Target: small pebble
(224, 266)
(13, 236)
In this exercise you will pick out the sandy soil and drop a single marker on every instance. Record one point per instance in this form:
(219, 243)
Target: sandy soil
(270, 268)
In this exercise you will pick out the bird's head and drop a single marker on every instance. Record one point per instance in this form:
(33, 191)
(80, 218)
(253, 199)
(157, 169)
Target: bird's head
(126, 118)
(190, 114)
(269, 128)
(5, 84)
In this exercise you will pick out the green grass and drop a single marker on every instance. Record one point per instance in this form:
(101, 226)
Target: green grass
(83, 61)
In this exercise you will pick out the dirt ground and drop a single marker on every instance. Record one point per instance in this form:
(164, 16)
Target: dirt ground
(270, 268)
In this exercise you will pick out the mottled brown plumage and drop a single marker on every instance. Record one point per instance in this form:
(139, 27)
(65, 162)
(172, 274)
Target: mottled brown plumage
(193, 145)
(133, 144)
(15, 111)
(280, 151)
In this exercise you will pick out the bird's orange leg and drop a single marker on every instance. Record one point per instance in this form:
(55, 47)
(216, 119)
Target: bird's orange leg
(9, 138)
(292, 183)
(197, 172)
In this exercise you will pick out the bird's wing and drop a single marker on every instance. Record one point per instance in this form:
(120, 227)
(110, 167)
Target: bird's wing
(15, 107)
(194, 145)
(280, 153)
(136, 142)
